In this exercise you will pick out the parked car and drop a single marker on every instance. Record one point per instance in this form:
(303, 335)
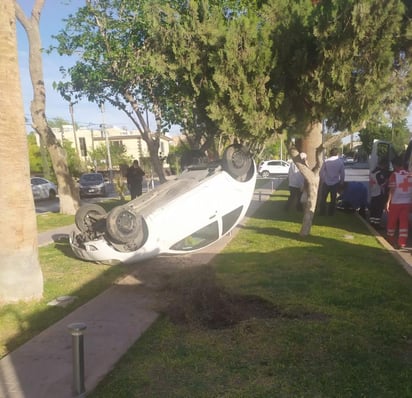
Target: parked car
(197, 208)
(92, 184)
(43, 188)
(273, 167)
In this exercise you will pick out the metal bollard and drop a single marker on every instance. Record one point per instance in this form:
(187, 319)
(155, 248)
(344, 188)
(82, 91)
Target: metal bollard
(76, 330)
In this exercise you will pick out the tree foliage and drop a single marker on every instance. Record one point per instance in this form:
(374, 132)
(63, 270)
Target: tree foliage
(117, 154)
(245, 70)
(398, 134)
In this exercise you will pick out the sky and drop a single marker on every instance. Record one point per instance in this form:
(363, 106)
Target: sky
(85, 113)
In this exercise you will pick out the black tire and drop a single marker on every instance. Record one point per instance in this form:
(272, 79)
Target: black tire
(124, 226)
(265, 174)
(52, 194)
(237, 160)
(88, 215)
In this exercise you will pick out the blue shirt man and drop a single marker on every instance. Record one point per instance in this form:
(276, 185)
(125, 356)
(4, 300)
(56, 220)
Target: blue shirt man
(332, 175)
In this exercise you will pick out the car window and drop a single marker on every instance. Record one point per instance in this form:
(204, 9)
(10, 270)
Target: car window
(198, 239)
(91, 178)
(37, 181)
(230, 219)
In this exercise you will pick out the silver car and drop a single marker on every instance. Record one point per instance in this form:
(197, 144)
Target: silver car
(43, 188)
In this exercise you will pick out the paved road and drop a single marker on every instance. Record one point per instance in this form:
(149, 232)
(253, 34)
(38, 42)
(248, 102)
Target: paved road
(53, 205)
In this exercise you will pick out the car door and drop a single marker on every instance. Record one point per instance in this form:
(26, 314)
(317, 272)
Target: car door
(36, 186)
(381, 150)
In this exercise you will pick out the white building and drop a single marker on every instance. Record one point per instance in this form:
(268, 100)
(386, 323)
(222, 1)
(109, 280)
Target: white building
(85, 140)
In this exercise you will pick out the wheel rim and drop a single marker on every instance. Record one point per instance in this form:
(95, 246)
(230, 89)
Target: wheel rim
(124, 226)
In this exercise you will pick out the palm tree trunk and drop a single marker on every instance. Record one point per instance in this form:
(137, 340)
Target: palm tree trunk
(20, 273)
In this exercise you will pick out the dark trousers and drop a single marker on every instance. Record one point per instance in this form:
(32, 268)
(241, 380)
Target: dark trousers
(376, 208)
(294, 198)
(325, 191)
(135, 190)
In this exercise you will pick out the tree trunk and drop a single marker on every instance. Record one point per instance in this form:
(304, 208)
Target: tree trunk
(20, 273)
(68, 192)
(312, 147)
(152, 142)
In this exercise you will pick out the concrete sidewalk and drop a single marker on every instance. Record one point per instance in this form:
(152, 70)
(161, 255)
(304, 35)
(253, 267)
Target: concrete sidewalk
(42, 367)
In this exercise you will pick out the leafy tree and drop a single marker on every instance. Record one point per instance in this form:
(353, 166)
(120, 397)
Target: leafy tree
(398, 134)
(36, 166)
(68, 193)
(245, 69)
(334, 60)
(75, 164)
(109, 39)
(117, 154)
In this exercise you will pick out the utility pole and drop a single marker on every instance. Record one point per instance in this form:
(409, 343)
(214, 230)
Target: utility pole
(109, 158)
(76, 145)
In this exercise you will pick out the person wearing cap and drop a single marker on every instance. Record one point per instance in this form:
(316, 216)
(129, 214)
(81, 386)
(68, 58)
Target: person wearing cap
(332, 176)
(134, 179)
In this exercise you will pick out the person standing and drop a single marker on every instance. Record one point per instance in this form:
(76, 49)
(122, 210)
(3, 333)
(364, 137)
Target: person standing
(134, 179)
(378, 188)
(399, 203)
(332, 175)
(296, 181)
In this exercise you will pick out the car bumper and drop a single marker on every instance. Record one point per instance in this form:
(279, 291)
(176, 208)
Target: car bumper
(91, 191)
(101, 252)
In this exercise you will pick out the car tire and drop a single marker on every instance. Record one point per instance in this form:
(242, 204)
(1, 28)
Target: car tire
(52, 194)
(236, 160)
(123, 226)
(265, 174)
(88, 215)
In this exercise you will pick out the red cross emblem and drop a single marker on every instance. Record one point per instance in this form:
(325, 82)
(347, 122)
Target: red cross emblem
(405, 184)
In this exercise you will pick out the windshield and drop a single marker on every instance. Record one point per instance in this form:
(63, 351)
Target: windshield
(91, 178)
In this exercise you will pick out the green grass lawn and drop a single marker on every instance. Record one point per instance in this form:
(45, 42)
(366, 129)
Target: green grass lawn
(274, 315)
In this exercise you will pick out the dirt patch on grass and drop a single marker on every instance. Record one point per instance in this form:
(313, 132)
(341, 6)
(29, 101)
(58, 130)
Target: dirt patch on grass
(194, 296)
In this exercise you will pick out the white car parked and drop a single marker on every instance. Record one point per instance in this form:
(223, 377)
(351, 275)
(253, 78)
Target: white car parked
(43, 189)
(273, 167)
(186, 214)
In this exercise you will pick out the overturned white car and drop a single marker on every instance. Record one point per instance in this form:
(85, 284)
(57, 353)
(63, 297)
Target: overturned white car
(188, 213)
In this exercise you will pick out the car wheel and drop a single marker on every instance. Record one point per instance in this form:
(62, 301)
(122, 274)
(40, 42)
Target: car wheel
(265, 174)
(88, 216)
(236, 160)
(123, 226)
(52, 194)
